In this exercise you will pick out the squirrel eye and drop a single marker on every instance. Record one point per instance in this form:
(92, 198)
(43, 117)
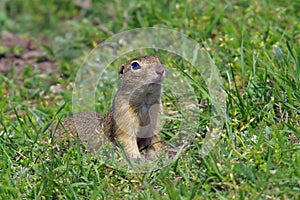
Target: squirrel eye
(135, 66)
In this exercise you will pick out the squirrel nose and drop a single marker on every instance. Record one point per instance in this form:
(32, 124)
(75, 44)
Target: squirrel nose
(159, 70)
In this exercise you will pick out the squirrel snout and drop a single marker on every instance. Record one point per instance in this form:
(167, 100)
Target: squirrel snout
(159, 70)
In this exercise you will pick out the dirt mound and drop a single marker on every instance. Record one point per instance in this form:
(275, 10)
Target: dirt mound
(17, 53)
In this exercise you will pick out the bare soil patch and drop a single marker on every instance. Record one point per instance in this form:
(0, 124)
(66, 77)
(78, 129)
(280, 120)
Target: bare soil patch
(18, 52)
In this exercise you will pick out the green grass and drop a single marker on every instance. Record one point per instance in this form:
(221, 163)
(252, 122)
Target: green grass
(256, 46)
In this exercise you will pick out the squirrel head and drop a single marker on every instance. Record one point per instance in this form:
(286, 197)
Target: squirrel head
(140, 71)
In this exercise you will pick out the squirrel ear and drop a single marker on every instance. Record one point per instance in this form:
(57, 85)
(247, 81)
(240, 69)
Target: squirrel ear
(121, 71)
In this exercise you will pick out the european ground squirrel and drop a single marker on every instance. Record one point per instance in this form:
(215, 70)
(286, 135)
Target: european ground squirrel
(134, 119)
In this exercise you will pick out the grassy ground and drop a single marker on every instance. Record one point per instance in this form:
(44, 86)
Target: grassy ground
(256, 46)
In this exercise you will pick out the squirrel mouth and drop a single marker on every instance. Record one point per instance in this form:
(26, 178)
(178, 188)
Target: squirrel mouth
(159, 79)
